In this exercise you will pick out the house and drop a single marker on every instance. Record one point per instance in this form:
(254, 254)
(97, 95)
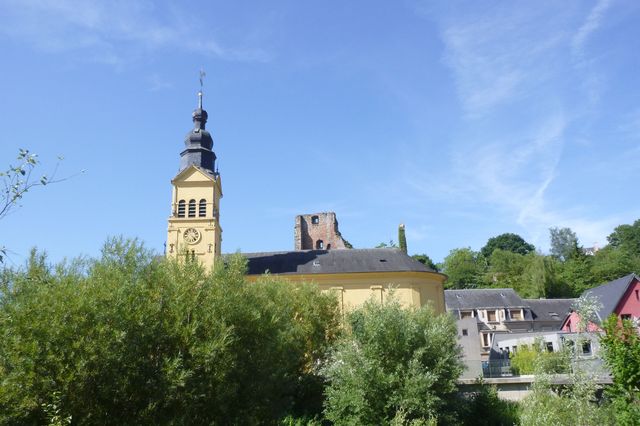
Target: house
(500, 311)
(619, 297)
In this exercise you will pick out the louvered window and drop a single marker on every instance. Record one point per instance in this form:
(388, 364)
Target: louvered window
(202, 208)
(192, 208)
(181, 207)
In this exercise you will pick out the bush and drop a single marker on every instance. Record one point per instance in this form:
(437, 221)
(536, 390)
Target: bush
(533, 359)
(485, 408)
(132, 339)
(570, 405)
(621, 353)
(396, 366)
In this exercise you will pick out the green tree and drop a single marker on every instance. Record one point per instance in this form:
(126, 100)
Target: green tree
(402, 238)
(505, 269)
(391, 244)
(133, 339)
(576, 274)
(536, 359)
(626, 237)
(485, 408)
(395, 364)
(621, 353)
(564, 243)
(611, 263)
(426, 260)
(575, 404)
(543, 279)
(464, 267)
(509, 242)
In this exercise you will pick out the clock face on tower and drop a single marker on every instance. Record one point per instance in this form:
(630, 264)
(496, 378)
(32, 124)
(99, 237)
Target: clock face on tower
(191, 236)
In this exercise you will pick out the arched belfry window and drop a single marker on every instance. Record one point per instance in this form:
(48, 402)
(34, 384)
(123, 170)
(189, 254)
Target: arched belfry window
(192, 208)
(202, 208)
(319, 245)
(315, 220)
(181, 208)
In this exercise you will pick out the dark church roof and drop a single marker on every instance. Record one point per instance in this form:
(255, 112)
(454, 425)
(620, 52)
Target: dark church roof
(333, 262)
(199, 143)
(610, 294)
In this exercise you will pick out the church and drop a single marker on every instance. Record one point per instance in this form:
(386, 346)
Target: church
(320, 256)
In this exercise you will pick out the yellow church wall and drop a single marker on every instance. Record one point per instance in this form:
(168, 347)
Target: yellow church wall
(193, 184)
(353, 289)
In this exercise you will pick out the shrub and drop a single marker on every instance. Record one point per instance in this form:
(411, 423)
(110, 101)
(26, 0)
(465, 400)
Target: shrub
(396, 365)
(485, 408)
(573, 404)
(132, 339)
(533, 359)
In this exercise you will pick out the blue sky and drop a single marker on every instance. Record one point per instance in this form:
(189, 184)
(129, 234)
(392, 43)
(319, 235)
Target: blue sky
(462, 120)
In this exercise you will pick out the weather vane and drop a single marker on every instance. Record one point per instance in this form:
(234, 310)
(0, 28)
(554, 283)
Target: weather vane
(202, 76)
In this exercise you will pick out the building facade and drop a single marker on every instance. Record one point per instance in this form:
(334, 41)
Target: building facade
(619, 297)
(356, 275)
(194, 230)
(490, 312)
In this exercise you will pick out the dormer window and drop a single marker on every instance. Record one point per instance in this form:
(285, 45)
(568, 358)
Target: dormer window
(192, 208)
(516, 314)
(202, 208)
(315, 220)
(181, 208)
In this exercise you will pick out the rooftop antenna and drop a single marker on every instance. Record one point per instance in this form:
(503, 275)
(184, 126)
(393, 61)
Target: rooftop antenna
(202, 76)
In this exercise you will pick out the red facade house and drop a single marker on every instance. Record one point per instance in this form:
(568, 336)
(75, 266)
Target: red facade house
(620, 297)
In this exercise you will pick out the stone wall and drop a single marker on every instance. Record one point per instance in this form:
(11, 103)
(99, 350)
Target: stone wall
(318, 231)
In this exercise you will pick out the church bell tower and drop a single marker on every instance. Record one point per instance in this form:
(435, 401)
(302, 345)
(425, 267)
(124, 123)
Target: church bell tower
(194, 225)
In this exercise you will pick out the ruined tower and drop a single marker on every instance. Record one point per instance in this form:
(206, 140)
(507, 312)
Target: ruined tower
(318, 231)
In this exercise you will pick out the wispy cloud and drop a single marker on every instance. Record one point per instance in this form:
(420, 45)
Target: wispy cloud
(591, 24)
(111, 31)
(512, 62)
(496, 57)
(157, 83)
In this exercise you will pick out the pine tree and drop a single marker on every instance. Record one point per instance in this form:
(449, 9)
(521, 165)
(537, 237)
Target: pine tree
(402, 239)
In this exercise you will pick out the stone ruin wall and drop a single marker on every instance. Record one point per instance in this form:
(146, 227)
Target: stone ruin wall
(318, 231)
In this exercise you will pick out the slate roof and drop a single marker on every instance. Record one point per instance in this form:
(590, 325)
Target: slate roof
(610, 294)
(549, 309)
(333, 262)
(482, 298)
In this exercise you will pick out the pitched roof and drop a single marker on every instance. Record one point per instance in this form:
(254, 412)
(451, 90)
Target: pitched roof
(482, 298)
(549, 309)
(610, 294)
(333, 262)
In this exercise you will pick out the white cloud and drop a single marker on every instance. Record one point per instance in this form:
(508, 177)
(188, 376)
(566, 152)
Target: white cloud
(591, 24)
(111, 31)
(514, 63)
(497, 56)
(157, 83)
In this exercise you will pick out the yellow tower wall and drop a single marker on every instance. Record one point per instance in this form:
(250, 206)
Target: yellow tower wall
(194, 184)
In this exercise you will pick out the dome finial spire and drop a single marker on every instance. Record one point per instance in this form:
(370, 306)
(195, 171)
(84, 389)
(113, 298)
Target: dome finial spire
(202, 76)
